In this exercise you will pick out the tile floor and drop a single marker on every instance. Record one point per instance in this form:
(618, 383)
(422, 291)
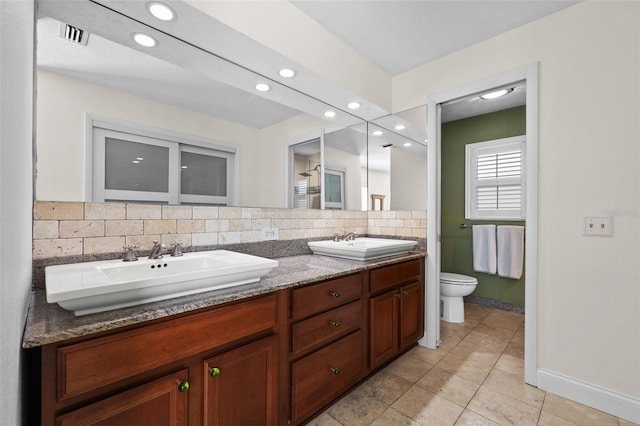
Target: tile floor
(474, 378)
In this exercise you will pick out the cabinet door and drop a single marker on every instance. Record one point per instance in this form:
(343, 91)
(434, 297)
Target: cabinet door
(240, 386)
(411, 314)
(161, 402)
(383, 311)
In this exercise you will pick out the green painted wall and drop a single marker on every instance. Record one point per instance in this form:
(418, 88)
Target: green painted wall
(456, 242)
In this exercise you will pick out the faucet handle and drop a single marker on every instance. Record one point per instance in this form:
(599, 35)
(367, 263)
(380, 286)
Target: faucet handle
(177, 249)
(130, 254)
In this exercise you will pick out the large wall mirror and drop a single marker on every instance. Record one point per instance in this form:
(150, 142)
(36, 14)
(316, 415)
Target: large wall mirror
(177, 124)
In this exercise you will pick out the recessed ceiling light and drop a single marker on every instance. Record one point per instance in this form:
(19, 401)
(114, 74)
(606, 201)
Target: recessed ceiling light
(406, 144)
(135, 162)
(330, 114)
(400, 127)
(287, 73)
(161, 11)
(353, 105)
(139, 158)
(184, 167)
(144, 40)
(262, 87)
(495, 94)
(377, 132)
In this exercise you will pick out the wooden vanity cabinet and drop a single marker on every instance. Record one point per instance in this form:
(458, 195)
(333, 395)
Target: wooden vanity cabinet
(163, 370)
(328, 346)
(396, 310)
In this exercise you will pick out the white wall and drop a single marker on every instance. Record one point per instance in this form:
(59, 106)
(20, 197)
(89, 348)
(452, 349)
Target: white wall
(61, 133)
(408, 180)
(16, 112)
(589, 291)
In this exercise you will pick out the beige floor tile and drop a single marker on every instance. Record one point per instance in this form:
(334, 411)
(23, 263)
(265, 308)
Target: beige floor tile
(469, 418)
(449, 386)
(324, 419)
(511, 364)
(426, 355)
(469, 369)
(515, 349)
(548, 419)
(514, 386)
(502, 409)
(393, 417)
(427, 408)
(357, 408)
(410, 367)
(385, 387)
(576, 412)
(499, 333)
(448, 330)
(519, 336)
(492, 343)
(509, 322)
(478, 353)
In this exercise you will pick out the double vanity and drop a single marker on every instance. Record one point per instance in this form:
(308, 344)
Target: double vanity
(275, 351)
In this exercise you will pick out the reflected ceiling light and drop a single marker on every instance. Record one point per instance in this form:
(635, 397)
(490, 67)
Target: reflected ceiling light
(139, 158)
(262, 87)
(400, 127)
(377, 132)
(184, 167)
(496, 94)
(330, 114)
(287, 73)
(135, 162)
(353, 105)
(406, 144)
(144, 40)
(161, 11)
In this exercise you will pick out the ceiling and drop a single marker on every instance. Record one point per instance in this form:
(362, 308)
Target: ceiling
(397, 35)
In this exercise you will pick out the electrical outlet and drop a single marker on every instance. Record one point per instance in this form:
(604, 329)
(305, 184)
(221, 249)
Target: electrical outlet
(269, 234)
(598, 226)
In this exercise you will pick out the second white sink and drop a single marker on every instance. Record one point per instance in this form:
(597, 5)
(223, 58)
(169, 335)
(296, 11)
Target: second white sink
(90, 287)
(362, 248)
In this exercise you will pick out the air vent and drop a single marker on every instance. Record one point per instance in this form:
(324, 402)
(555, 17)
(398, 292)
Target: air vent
(74, 34)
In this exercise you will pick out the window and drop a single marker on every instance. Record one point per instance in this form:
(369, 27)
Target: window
(144, 166)
(496, 179)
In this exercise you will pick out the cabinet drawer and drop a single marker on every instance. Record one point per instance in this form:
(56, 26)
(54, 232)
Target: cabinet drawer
(317, 298)
(325, 327)
(89, 365)
(389, 276)
(315, 383)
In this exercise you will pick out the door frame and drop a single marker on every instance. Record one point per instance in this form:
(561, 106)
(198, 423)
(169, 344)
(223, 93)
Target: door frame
(529, 74)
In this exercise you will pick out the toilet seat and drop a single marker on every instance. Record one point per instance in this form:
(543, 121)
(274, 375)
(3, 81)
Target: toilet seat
(457, 279)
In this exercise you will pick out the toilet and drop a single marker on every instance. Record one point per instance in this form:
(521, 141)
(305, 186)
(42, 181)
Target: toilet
(452, 288)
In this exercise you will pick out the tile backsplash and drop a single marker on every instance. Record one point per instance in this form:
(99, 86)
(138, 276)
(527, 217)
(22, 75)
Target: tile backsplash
(67, 229)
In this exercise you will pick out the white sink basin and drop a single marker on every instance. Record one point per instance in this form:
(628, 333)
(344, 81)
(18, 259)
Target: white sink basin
(362, 248)
(90, 287)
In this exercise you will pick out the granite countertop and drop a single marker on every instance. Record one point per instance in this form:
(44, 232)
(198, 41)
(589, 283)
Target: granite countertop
(49, 323)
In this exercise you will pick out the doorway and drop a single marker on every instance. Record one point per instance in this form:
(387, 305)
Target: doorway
(528, 75)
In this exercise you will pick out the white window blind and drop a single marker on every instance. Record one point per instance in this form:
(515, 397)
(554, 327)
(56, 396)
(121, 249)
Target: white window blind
(496, 179)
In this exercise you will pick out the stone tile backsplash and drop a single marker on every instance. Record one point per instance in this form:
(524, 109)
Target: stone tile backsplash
(73, 229)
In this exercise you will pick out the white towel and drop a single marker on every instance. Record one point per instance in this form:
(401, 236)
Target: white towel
(484, 248)
(510, 251)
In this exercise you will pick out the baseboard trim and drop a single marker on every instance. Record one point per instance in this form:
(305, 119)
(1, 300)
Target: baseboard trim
(616, 404)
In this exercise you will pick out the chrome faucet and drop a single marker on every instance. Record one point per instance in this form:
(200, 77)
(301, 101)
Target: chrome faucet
(156, 251)
(348, 236)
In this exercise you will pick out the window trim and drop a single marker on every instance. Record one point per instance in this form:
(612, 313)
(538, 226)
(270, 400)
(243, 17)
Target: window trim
(497, 146)
(93, 121)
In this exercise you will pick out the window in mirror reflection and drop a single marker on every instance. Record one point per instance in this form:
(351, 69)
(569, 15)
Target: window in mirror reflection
(129, 167)
(334, 189)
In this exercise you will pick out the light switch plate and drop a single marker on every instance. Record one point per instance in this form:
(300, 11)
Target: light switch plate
(598, 226)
